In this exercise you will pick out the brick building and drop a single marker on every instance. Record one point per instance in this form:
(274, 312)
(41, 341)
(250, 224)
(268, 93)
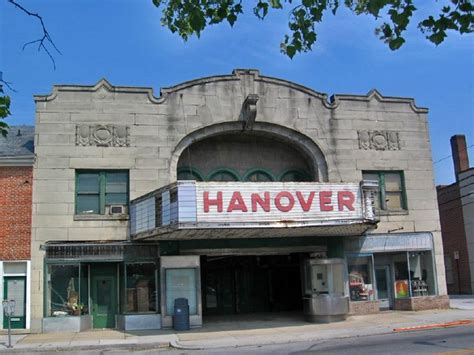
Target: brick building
(16, 179)
(456, 209)
(241, 193)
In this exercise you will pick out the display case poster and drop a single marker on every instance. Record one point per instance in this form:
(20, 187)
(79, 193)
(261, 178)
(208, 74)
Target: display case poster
(401, 288)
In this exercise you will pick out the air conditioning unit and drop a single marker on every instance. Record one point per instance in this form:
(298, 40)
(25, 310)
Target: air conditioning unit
(117, 209)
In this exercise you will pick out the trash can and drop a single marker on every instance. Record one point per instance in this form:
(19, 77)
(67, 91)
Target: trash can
(181, 314)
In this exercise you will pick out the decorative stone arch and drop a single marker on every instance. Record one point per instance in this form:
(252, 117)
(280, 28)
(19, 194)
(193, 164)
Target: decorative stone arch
(301, 142)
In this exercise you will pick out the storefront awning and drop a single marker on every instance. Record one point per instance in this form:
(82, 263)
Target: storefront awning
(106, 251)
(207, 210)
(385, 243)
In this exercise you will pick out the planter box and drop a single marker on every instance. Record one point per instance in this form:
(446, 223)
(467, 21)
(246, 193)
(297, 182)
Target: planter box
(364, 307)
(67, 324)
(138, 321)
(421, 303)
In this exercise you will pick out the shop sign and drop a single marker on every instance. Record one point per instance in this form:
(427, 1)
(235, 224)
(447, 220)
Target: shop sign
(240, 202)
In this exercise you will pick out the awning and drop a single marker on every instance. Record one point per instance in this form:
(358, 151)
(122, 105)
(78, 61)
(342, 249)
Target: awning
(385, 243)
(105, 251)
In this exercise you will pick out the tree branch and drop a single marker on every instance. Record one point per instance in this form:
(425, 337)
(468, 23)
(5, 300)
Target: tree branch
(45, 39)
(6, 83)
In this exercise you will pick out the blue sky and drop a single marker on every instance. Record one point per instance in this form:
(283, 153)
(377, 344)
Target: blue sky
(123, 41)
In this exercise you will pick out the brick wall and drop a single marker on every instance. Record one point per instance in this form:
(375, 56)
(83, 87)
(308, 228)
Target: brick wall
(364, 307)
(421, 303)
(454, 237)
(15, 212)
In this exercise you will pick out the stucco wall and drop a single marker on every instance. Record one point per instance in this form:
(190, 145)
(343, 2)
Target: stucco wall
(158, 128)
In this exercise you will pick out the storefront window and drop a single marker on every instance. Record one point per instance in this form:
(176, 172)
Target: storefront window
(402, 281)
(421, 273)
(181, 283)
(361, 286)
(65, 294)
(141, 295)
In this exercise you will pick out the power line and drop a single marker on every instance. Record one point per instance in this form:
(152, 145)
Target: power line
(449, 156)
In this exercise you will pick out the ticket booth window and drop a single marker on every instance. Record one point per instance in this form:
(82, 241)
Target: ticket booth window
(181, 283)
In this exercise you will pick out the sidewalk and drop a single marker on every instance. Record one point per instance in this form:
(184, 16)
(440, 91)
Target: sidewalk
(239, 331)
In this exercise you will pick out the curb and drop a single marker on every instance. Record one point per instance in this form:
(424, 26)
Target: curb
(177, 345)
(131, 347)
(456, 323)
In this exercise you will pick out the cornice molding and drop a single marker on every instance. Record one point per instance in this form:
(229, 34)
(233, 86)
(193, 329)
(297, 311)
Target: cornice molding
(375, 95)
(26, 160)
(237, 75)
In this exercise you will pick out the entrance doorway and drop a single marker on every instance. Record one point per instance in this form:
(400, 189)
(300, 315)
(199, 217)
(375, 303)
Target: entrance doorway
(251, 284)
(104, 294)
(15, 289)
(384, 290)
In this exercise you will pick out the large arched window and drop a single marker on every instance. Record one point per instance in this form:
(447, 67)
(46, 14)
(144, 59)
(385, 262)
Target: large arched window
(295, 175)
(223, 175)
(259, 156)
(189, 174)
(258, 175)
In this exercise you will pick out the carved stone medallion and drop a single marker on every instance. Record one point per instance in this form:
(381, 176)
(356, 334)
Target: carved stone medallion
(102, 135)
(378, 140)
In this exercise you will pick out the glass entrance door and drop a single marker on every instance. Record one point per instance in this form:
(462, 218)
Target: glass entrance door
(384, 292)
(104, 295)
(15, 289)
(219, 292)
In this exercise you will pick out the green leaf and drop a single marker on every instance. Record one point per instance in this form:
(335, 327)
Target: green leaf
(276, 4)
(396, 43)
(290, 51)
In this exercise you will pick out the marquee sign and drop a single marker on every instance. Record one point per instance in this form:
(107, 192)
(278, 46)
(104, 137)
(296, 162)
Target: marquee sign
(191, 209)
(276, 201)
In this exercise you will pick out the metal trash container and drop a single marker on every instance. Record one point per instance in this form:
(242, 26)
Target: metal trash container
(181, 314)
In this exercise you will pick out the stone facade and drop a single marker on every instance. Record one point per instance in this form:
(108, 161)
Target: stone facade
(155, 131)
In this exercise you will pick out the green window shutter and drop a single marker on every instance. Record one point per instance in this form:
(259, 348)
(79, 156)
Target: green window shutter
(116, 188)
(97, 189)
(392, 189)
(88, 193)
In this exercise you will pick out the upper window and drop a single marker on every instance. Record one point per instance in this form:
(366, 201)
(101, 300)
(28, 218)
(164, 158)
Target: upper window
(189, 174)
(258, 175)
(295, 175)
(392, 189)
(96, 191)
(223, 175)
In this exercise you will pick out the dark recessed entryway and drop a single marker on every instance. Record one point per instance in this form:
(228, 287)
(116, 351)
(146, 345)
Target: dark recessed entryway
(251, 284)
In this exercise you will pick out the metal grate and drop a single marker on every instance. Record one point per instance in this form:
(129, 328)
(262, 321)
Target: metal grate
(102, 251)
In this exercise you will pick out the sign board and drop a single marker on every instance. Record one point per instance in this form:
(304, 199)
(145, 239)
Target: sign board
(456, 255)
(233, 202)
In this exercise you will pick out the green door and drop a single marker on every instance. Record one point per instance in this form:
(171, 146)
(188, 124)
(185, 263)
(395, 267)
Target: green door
(15, 289)
(104, 295)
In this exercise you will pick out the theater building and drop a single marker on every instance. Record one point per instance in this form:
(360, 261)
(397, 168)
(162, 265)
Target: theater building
(241, 193)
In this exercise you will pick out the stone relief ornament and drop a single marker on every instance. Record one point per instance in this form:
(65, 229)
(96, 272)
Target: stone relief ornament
(102, 135)
(378, 140)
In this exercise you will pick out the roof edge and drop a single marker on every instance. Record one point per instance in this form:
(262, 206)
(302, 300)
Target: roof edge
(374, 94)
(236, 75)
(21, 160)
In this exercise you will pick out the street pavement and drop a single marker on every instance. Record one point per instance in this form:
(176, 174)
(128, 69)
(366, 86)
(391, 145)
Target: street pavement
(239, 331)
